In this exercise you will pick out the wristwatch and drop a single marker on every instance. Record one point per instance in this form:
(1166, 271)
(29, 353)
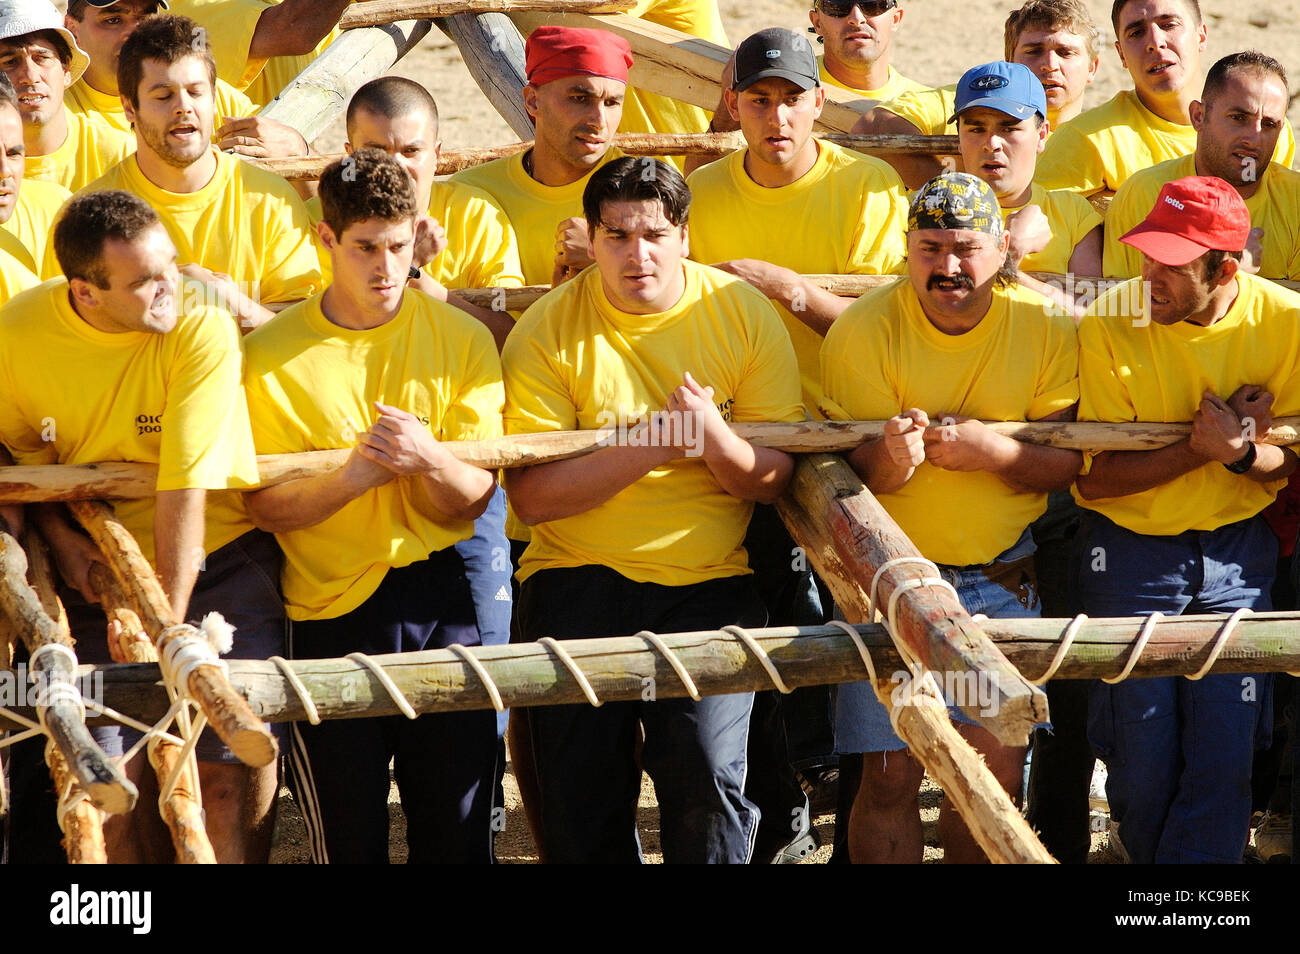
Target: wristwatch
(412, 273)
(1247, 460)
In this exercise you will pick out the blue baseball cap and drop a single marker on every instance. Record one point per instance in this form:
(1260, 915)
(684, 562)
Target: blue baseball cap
(1010, 88)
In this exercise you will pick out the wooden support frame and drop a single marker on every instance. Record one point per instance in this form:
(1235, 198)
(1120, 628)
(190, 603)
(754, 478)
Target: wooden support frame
(379, 12)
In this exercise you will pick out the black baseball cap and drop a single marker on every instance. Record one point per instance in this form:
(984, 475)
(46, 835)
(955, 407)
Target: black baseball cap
(775, 52)
(104, 3)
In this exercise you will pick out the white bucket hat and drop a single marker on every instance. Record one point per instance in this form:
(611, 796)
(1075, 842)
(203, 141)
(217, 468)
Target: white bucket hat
(21, 17)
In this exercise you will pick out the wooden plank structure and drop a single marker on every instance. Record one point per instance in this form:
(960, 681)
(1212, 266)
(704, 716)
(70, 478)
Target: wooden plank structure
(125, 481)
(617, 668)
(379, 12)
(54, 671)
(676, 64)
(709, 145)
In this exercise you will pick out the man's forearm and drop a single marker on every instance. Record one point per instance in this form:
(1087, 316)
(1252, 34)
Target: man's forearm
(814, 306)
(294, 27)
(748, 472)
(1272, 463)
(178, 544)
(1035, 469)
(1120, 473)
(872, 463)
(300, 503)
(564, 488)
(458, 490)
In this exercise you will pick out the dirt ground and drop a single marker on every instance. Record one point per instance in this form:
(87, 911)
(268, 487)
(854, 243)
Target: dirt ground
(922, 51)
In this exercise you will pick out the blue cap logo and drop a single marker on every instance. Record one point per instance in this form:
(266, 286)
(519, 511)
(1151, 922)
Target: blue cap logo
(988, 82)
(773, 54)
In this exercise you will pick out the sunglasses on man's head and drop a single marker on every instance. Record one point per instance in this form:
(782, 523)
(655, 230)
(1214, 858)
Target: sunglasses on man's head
(873, 8)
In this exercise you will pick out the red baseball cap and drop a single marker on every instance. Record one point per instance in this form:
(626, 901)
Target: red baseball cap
(1192, 216)
(554, 52)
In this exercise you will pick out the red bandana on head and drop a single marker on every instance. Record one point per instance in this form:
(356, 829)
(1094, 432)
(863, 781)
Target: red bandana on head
(554, 52)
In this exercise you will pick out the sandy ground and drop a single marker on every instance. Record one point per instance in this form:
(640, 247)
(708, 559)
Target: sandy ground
(922, 52)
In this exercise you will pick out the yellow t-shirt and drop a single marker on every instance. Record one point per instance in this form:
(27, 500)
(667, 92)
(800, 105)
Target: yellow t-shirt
(88, 151)
(1099, 149)
(15, 277)
(169, 399)
(575, 362)
(1275, 207)
(1070, 216)
(246, 223)
(312, 385)
(26, 235)
(646, 112)
(1159, 372)
(84, 99)
(534, 210)
(896, 85)
(481, 250)
(846, 215)
(1020, 363)
(927, 109)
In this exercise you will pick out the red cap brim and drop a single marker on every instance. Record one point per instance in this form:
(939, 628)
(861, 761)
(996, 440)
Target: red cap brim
(1164, 247)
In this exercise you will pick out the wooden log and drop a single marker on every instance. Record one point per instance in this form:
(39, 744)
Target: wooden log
(676, 64)
(827, 509)
(493, 52)
(710, 145)
(320, 93)
(227, 712)
(618, 667)
(82, 825)
(182, 809)
(124, 481)
(64, 721)
(379, 12)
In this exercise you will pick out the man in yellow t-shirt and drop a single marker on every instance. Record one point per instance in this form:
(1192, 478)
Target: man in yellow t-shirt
(857, 37)
(954, 342)
(16, 273)
(1002, 124)
(787, 203)
(371, 563)
(577, 79)
(1160, 43)
(1179, 529)
(241, 231)
(261, 45)
(1056, 39)
(646, 534)
(463, 239)
(1237, 120)
(42, 59)
(102, 26)
(156, 382)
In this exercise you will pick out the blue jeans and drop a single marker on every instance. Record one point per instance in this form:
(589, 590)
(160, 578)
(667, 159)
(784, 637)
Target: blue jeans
(694, 752)
(487, 567)
(1178, 753)
(1003, 589)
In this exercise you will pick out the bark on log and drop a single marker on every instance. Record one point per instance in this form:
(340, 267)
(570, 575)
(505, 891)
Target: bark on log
(82, 825)
(710, 145)
(227, 712)
(827, 509)
(378, 12)
(123, 481)
(320, 93)
(618, 667)
(182, 810)
(64, 721)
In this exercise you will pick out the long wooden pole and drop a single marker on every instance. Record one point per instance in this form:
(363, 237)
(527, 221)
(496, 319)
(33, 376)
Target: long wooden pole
(378, 12)
(182, 807)
(846, 286)
(126, 481)
(63, 719)
(227, 712)
(709, 145)
(855, 544)
(622, 668)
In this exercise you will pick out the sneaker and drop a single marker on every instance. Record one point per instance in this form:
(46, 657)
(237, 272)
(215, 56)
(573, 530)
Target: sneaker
(1097, 800)
(1273, 838)
(798, 850)
(821, 783)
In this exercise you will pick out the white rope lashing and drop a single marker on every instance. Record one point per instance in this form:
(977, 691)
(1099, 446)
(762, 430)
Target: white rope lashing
(579, 676)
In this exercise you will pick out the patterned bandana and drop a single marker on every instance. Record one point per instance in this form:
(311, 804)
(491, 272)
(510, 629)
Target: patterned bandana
(956, 200)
